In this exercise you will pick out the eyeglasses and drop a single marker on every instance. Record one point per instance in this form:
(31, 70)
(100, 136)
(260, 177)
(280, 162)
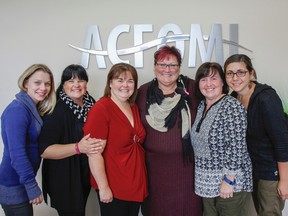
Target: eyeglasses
(163, 66)
(239, 73)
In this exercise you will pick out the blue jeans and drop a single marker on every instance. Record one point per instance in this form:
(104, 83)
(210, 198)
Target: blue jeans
(22, 209)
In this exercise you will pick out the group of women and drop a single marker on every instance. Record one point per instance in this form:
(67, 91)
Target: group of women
(174, 146)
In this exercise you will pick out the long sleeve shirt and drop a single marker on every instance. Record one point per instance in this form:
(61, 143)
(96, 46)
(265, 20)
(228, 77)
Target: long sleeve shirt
(218, 140)
(21, 125)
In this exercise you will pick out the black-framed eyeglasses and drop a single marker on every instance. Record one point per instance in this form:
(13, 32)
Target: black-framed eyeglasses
(170, 66)
(239, 73)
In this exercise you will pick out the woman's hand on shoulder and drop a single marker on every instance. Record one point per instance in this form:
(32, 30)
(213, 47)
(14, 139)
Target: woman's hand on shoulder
(88, 145)
(100, 145)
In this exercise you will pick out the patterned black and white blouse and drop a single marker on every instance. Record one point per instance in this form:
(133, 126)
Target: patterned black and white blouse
(219, 144)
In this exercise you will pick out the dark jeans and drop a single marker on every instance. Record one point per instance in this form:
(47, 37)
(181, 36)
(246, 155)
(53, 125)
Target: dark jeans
(22, 209)
(119, 207)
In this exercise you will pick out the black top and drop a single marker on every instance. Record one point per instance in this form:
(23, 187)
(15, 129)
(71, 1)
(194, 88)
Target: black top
(66, 181)
(267, 132)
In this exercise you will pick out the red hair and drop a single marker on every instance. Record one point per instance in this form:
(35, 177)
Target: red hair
(166, 51)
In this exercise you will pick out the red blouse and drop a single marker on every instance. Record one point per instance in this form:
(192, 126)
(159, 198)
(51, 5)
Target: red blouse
(124, 155)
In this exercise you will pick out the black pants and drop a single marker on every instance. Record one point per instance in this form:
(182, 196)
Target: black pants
(22, 209)
(119, 207)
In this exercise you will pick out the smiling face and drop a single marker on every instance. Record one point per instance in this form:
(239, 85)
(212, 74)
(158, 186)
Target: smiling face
(75, 89)
(211, 87)
(167, 71)
(122, 87)
(38, 86)
(236, 83)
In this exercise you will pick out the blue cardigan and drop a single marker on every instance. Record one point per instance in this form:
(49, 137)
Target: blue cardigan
(21, 125)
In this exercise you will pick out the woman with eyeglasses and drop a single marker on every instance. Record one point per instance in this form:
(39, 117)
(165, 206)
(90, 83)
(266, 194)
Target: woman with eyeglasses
(168, 107)
(267, 134)
(223, 169)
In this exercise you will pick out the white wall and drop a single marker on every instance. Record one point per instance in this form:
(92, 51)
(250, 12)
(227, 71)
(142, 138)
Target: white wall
(38, 31)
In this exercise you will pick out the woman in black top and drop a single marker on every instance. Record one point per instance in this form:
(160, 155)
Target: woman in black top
(267, 134)
(65, 171)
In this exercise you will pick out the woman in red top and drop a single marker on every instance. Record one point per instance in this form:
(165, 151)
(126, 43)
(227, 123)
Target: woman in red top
(119, 173)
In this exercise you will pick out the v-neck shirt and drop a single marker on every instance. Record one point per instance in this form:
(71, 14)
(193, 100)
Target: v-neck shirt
(124, 155)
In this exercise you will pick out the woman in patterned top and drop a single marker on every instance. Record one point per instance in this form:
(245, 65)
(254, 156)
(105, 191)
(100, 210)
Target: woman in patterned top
(223, 170)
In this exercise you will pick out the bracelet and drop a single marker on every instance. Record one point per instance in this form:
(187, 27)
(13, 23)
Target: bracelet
(229, 181)
(77, 149)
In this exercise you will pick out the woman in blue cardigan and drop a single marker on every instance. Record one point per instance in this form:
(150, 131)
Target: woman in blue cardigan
(21, 124)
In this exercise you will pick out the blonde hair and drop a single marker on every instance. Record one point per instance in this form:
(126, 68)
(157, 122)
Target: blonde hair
(48, 104)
